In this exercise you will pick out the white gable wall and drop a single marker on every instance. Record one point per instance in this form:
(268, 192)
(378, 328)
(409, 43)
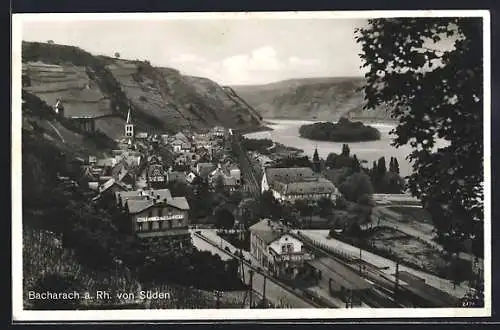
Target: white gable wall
(286, 240)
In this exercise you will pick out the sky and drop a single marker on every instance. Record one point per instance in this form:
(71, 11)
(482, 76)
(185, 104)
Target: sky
(229, 51)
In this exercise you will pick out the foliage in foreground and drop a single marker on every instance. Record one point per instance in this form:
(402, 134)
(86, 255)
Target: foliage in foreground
(435, 91)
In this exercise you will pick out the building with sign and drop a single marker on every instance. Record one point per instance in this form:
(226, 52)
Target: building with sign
(154, 213)
(276, 250)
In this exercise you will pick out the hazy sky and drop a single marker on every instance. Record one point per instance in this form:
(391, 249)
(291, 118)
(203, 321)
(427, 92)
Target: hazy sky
(243, 51)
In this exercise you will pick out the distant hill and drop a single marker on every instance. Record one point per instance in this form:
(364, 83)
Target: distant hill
(324, 99)
(162, 99)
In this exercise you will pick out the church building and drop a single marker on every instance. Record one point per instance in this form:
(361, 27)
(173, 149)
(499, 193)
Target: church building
(129, 130)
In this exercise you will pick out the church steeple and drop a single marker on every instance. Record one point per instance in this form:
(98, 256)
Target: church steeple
(129, 117)
(129, 128)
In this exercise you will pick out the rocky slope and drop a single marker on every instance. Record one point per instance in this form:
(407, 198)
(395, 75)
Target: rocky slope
(161, 99)
(310, 98)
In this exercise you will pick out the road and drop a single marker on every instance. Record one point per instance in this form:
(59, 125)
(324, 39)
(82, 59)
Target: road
(277, 294)
(57, 131)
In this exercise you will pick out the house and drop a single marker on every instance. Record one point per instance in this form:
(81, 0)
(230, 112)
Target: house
(111, 187)
(92, 160)
(277, 250)
(204, 169)
(177, 145)
(154, 213)
(230, 184)
(141, 135)
(176, 176)
(186, 147)
(187, 158)
(165, 138)
(106, 162)
(156, 174)
(218, 131)
(291, 184)
(181, 136)
(190, 177)
(234, 172)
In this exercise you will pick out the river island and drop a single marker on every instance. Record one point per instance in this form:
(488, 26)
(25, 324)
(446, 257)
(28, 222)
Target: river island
(342, 131)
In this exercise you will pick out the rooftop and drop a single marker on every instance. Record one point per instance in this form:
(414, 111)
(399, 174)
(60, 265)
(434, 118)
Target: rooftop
(268, 230)
(320, 186)
(288, 174)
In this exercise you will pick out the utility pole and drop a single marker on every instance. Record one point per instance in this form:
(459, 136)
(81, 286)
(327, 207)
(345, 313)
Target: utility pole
(218, 295)
(264, 290)
(360, 271)
(251, 287)
(396, 288)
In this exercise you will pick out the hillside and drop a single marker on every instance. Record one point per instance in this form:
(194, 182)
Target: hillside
(310, 98)
(162, 99)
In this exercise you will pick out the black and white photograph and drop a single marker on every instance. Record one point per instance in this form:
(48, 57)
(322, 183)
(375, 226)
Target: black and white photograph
(207, 166)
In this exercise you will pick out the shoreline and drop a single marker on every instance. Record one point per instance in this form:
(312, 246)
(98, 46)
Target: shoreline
(269, 120)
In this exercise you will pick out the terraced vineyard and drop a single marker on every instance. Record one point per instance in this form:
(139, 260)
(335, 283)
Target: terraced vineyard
(71, 84)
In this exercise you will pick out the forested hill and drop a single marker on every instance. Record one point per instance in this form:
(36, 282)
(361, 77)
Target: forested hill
(161, 98)
(324, 99)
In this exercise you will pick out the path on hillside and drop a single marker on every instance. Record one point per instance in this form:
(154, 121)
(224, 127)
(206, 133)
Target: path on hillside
(57, 132)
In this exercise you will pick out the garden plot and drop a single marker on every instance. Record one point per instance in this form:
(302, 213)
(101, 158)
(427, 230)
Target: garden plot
(407, 248)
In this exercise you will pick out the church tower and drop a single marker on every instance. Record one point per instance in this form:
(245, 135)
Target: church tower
(129, 129)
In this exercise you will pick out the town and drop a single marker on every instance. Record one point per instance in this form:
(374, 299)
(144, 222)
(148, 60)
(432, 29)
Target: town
(296, 236)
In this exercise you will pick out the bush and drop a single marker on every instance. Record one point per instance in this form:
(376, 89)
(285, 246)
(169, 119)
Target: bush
(57, 283)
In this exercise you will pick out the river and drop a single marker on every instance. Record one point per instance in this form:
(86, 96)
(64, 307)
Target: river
(287, 132)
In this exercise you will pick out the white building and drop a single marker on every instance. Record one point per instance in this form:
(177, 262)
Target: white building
(294, 183)
(276, 250)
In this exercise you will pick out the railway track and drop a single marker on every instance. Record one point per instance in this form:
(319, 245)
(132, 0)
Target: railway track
(408, 293)
(251, 177)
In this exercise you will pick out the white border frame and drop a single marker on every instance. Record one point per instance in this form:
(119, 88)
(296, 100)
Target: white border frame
(239, 314)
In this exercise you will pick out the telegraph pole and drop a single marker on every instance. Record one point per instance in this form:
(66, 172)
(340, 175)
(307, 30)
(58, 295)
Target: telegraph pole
(264, 289)
(396, 288)
(360, 271)
(251, 287)
(218, 295)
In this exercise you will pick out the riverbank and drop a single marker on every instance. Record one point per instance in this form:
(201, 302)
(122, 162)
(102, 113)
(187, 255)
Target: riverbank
(249, 130)
(286, 132)
(364, 120)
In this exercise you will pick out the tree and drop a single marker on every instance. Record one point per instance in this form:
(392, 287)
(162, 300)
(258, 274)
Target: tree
(396, 165)
(224, 218)
(381, 167)
(219, 185)
(355, 186)
(345, 150)
(316, 161)
(356, 166)
(433, 91)
(50, 42)
(117, 55)
(324, 207)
